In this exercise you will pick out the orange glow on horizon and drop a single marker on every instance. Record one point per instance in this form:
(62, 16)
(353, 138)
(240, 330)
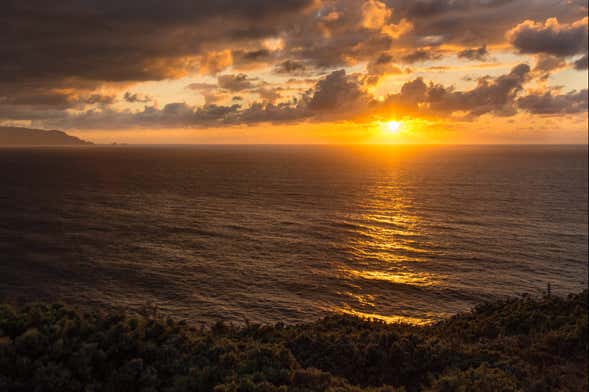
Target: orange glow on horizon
(521, 129)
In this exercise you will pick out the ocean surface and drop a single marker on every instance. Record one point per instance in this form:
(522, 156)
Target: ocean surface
(287, 233)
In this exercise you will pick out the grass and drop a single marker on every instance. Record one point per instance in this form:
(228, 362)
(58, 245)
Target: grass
(528, 344)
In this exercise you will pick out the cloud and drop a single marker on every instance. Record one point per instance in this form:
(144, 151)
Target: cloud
(156, 40)
(383, 65)
(136, 98)
(581, 63)
(253, 55)
(55, 52)
(341, 96)
(40, 98)
(212, 63)
(253, 58)
(547, 64)
(269, 94)
(337, 96)
(550, 37)
(551, 104)
(375, 14)
(214, 97)
(132, 40)
(237, 82)
(470, 23)
(478, 54)
(290, 67)
(338, 92)
(495, 96)
(67, 61)
(421, 55)
(98, 99)
(501, 96)
(210, 92)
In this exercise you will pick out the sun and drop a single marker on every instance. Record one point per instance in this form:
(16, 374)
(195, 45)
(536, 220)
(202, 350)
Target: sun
(393, 126)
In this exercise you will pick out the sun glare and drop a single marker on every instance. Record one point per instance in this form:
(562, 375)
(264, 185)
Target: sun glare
(393, 126)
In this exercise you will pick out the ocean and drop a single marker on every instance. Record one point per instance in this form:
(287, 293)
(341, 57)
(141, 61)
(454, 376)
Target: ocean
(291, 233)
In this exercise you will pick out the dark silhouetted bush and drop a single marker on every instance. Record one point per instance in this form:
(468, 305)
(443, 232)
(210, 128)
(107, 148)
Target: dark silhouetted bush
(529, 344)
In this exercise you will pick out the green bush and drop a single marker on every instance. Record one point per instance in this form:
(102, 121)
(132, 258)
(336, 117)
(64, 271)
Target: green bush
(529, 344)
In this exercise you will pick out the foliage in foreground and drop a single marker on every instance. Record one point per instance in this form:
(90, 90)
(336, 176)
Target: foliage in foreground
(519, 344)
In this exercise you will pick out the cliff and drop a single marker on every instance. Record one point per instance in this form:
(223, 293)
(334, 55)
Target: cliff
(13, 136)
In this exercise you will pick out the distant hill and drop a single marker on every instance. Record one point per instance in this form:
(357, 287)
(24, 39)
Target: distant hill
(13, 136)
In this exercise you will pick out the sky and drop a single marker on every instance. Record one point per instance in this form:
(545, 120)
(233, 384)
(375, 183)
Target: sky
(297, 71)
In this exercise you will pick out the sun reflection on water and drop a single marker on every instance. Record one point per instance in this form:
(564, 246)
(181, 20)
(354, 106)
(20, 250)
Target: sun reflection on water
(386, 248)
(386, 319)
(399, 277)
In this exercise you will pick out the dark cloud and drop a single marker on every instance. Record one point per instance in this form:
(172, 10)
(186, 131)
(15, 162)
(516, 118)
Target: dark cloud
(341, 96)
(547, 64)
(495, 96)
(383, 58)
(475, 22)
(237, 82)
(128, 40)
(136, 98)
(549, 103)
(269, 94)
(550, 37)
(253, 55)
(50, 49)
(209, 91)
(133, 40)
(30, 103)
(383, 64)
(415, 91)
(214, 97)
(343, 32)
(339, 92)
(336, 96)
(41, 98)
(581, 64)
(431, 8)
(290, 67)
(99, 99)
(478, 54)
(500, 96)
(59, 57)
(175, 115)
(421, 55)
(254, 58)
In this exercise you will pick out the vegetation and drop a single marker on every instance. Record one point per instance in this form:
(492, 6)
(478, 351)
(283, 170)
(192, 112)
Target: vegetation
(530, 344)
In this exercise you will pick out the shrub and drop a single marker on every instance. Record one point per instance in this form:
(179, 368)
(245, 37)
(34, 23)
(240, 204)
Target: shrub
(530, 344)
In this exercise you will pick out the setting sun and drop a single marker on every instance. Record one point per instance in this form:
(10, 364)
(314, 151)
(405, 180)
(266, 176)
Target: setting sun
(393, 126)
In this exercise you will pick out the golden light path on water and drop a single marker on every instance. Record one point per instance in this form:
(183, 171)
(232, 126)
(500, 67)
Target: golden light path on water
(387, 247)
(386, 319)
(367, 300)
